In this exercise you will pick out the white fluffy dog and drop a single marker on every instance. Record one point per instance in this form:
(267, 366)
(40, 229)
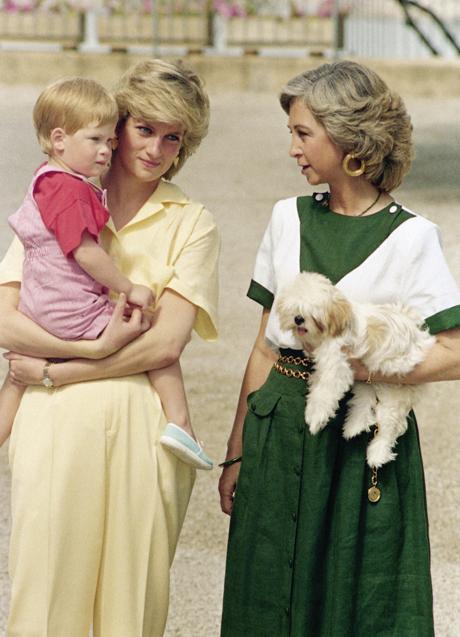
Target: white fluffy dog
(388, 339)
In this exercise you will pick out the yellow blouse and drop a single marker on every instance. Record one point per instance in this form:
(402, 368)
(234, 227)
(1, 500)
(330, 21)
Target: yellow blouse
(171, 242)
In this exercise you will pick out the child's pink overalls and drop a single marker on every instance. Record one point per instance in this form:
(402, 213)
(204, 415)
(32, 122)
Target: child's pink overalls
(56, 292)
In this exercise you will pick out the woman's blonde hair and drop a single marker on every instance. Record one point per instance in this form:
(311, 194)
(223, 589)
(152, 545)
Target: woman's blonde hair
(160, 91)
(361, 116)
(71, 104)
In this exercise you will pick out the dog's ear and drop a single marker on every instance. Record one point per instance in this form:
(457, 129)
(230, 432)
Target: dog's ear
(318, 324)
(339, 316)
(284, 311)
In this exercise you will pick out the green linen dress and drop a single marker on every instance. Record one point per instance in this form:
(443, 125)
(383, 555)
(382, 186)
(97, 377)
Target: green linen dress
(308, 554)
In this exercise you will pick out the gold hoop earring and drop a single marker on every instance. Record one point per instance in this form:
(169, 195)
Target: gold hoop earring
(353, 173)
(176, 161)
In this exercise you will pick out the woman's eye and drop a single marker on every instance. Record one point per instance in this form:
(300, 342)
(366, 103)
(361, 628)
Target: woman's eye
(144, 130)
(174, 138)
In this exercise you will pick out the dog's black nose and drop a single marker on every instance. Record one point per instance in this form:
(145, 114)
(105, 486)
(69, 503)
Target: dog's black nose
(298, 320)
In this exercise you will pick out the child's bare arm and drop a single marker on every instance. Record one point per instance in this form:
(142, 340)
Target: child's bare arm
(96, 262)
(10, 397)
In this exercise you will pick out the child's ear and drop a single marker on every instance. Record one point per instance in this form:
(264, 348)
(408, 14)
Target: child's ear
(57, 138)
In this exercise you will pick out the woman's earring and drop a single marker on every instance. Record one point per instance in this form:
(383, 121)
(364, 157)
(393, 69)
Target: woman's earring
(353, 173)
(176, 161)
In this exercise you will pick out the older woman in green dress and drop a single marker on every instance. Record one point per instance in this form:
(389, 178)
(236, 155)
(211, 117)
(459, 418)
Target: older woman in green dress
(310, 554)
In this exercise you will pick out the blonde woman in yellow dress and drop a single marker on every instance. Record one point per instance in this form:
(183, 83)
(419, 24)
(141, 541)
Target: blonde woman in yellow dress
(97, 502)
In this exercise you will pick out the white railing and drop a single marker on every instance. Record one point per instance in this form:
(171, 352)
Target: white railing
(379, 28)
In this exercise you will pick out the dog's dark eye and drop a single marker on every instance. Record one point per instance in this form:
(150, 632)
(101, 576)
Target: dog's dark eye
(298, 320)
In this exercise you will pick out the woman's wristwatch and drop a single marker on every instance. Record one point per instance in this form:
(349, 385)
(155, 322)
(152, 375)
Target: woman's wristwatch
(47, 381)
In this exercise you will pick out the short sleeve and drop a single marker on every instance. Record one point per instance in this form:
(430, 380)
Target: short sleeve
(69, 207)
(12, 263)
(195, 275)
(263, 285)
(430, 287)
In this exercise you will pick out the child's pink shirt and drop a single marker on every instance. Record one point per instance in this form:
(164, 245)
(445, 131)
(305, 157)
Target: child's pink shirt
(56, 292)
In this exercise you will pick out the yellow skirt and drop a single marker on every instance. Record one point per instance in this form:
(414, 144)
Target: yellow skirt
(97, 510)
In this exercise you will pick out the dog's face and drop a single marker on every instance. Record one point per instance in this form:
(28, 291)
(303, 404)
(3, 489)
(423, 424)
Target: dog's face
(313, 309)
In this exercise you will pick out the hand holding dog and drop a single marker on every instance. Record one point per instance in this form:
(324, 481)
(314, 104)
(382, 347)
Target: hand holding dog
(360, 371)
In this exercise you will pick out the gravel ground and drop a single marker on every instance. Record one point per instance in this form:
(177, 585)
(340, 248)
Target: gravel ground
(240, 171)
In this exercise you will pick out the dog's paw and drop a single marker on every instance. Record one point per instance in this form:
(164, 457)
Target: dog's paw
(316, 419)
(316, 427)
(354, 427)
(379, 452)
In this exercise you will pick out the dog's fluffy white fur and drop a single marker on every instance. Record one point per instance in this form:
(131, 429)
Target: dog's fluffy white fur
(388, 339)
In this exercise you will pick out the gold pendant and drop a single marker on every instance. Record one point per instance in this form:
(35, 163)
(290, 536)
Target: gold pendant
(373, 494)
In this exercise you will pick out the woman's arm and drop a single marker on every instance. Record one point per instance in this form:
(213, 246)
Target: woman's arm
(259, 364)
(160, 346)
(21, 334)
(441, 363)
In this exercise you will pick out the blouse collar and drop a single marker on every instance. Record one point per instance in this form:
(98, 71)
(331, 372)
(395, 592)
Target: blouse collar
(165, 193)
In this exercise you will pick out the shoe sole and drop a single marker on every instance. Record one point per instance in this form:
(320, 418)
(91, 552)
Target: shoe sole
(184, 454)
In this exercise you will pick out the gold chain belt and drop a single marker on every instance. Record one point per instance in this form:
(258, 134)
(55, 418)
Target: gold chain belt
(293, 360)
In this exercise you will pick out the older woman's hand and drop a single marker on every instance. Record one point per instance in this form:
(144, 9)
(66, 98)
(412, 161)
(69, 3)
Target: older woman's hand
(25, 370)
(359, 369)
(227, 487)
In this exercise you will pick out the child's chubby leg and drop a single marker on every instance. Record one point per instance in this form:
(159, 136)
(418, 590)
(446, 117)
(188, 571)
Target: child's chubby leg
(178, 437)
(10, 398)
(169, 385)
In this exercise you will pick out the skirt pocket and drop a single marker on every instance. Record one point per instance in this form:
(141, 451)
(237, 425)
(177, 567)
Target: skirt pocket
(261, 407)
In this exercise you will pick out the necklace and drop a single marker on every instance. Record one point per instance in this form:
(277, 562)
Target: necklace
(327, 199)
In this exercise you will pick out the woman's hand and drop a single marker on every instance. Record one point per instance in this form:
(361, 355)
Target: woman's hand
(25, 370)
(121, 329)
(359, 369)
(227, 487)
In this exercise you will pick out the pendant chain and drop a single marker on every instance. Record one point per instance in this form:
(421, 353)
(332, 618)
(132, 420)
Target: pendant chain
(374, 493)
(327, 199)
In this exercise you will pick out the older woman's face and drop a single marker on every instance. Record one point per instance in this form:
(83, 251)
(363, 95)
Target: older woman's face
(320, 160)
(147, 150)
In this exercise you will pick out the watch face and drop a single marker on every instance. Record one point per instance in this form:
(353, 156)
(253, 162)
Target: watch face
(47, 382)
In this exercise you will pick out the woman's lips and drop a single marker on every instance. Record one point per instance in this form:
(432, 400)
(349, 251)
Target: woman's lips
(150, 164)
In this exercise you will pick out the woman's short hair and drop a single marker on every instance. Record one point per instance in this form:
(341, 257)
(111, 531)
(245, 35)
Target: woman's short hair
(361, 116)
(72, 103)
(160, 91)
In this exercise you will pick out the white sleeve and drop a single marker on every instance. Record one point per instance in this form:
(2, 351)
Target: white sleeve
(263, 269)
(429, 286)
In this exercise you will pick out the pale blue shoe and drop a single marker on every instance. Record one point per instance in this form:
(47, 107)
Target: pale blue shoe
(178, 442)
